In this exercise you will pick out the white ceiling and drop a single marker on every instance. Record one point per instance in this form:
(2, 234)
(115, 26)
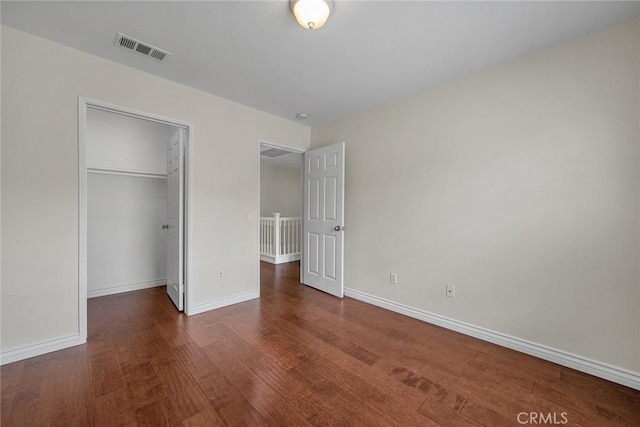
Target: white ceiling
(369, 52)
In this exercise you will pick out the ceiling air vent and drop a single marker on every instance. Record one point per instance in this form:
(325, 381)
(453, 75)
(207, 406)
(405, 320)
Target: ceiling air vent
(273, 152)
(142, 48)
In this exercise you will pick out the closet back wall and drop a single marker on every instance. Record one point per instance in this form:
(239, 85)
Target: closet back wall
(126, 245)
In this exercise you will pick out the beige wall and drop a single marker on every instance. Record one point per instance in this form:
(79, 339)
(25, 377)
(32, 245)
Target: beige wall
(41, 82)
(518, 185)
(280, 189)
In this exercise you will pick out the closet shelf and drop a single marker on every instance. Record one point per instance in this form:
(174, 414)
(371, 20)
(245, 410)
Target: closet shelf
(126, 173)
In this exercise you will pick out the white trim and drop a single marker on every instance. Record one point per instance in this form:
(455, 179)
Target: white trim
(131, 112)
(126, 288)
(280, 146)
(188, 222)
(570, 360)
(257, 216)
(223, 302)
(32, 350)
(83, 104)
(82, 217)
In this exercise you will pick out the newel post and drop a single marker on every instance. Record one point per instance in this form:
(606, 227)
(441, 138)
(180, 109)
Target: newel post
(276, 234)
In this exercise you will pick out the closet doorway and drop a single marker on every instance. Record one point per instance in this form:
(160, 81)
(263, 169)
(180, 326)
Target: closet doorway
(134, 198)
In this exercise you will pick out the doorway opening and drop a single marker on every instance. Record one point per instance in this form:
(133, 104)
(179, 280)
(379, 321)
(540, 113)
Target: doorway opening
(317, 239)
(135, 194)
(280, 205)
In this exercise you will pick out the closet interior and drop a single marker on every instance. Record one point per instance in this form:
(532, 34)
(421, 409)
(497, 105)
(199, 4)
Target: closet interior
(126, 202)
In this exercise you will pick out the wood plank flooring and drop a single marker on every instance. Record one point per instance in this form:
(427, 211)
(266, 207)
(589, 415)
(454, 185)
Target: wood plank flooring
(295, 357)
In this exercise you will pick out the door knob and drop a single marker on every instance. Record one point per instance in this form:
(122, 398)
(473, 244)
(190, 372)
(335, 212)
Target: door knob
(338, 228)
(165, 226)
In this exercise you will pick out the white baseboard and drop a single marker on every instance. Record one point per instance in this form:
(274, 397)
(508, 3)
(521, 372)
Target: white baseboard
(223, 302)
(280, 259)
(32, 350)
(570, 360)
(126, 288)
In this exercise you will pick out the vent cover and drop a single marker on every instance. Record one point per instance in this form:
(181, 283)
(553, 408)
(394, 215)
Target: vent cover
(142, 48)
(273, 152)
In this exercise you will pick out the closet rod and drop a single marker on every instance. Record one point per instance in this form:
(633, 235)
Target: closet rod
(126, 173)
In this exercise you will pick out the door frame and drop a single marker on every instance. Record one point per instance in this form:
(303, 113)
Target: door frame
(293, 150)
(84, 104)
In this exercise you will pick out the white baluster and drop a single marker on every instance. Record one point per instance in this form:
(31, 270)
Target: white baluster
(297, 241)
(286, 237)
(276, 234)
(290, 236)
(269, 237)
(283, 237)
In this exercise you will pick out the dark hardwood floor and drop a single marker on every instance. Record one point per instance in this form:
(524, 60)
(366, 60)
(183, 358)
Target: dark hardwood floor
(294, 357)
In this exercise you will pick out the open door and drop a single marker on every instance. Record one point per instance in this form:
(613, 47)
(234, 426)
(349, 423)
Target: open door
(322, 224)
(175, 216)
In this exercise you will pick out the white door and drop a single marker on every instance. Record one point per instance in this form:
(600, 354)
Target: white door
(323, 239)
(175, 216)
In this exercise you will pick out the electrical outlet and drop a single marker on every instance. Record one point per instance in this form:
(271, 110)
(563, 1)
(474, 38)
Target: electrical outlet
(220, 275)
(393, 278)
(451, 291)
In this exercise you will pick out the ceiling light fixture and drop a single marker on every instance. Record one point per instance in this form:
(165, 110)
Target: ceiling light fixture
(311, 14)
(301, 116)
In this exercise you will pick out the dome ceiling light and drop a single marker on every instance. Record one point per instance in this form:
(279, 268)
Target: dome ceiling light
(311, 14)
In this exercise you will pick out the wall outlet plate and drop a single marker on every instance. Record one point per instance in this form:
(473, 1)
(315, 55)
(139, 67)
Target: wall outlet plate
(450, 291)
(393, 278)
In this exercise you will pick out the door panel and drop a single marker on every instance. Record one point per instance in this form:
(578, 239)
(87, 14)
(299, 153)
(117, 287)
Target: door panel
(323, 219)
(175, 214)
(330, 205)
(313, 250)
(314, 198)
(330, 243)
